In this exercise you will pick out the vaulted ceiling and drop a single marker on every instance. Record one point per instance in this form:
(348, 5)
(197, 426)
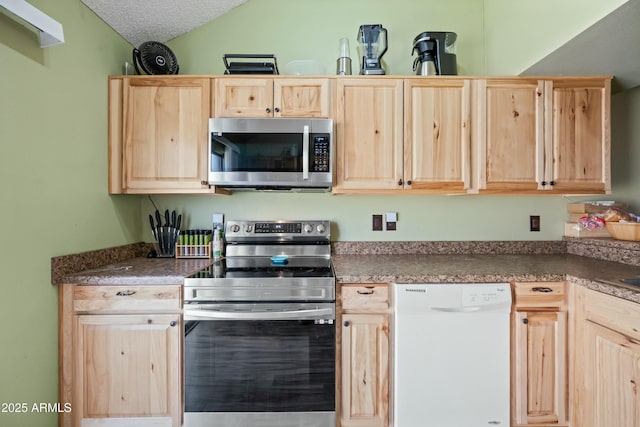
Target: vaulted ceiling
(139, 21)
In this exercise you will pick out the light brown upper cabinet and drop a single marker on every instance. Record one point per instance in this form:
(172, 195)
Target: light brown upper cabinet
(403, 135)
(510, 134)
(580, 135)
(272, 97)
(437, 135)
(369, 145)
(158, 134)
(536, 135)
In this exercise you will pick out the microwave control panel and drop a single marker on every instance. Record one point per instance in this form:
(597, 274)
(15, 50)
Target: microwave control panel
(320, 157)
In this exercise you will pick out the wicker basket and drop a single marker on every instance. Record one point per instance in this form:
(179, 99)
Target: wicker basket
(624, 230)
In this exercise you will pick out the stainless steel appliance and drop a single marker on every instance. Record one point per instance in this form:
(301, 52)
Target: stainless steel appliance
(373, 44)
(435, 53)
(271, 153)
(259, 330)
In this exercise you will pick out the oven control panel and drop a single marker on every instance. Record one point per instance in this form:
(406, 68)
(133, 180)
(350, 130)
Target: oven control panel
(264, 229)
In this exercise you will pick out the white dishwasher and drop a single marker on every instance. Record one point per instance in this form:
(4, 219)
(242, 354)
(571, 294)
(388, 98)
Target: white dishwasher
(451, 355)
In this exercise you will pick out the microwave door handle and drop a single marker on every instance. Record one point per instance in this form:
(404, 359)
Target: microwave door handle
(267, 315)
(305, 152)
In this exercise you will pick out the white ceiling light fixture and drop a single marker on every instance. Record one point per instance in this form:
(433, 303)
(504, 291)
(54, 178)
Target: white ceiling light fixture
(51, 32)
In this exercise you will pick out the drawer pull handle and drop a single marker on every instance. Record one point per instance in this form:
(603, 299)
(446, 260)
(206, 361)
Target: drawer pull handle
(542, 289)
(368, 292)
(125, 293)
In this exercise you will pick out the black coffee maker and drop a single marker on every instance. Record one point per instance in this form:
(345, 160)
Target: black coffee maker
(436, 54)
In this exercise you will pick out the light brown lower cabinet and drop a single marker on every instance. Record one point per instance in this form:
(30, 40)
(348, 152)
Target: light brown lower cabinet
(539, 375)
(121, 356)
(364, 361)
(607, 362)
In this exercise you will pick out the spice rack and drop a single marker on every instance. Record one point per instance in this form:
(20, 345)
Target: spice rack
(194, 251)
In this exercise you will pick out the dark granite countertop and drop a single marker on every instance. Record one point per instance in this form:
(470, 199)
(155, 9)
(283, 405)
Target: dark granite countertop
(466, 268)
(397, 269)
(139, 271)
(378, 262)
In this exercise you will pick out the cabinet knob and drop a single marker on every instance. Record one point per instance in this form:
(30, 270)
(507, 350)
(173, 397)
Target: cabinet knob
(277, 110)
(173, 323)
(409, 182)
(346, 323)
(268, 110)
(552, 183)
(543, 183)
(399, 182)
(525, 321)
(149, 321)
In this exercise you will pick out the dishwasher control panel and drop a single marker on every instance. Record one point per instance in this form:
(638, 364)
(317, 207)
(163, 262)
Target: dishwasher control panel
(474, 296)
(452, 297)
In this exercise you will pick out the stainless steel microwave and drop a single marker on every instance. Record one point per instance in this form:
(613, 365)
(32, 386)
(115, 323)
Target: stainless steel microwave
(271, 154)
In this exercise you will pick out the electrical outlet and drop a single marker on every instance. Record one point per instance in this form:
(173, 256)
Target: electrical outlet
(534, 223)
(376, 222)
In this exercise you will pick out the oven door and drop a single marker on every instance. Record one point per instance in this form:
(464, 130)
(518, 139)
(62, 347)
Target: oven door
(259, 365)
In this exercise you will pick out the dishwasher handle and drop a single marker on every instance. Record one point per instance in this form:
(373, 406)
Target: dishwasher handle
(456, 309)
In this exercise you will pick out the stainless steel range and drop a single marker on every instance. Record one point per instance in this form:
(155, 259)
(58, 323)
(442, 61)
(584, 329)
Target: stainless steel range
(259, 329)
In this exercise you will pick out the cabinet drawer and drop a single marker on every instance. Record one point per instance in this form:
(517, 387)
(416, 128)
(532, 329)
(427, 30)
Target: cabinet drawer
(106, 299)
(371, 297)
(612, 312)
(539, 294)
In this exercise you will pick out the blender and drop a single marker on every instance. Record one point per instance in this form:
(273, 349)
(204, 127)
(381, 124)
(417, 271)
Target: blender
(373, 44)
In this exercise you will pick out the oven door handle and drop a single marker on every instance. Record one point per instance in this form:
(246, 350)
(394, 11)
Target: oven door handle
(316, 313)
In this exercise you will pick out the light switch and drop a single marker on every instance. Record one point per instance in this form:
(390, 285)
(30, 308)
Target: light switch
(391, 219)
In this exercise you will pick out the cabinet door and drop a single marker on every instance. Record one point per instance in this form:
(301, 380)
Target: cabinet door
(540, 372)
(612, 377)
(365, 370)
(127, 370)
(244, 97)
(369, 134)
(165, 134)
(510, 127)
(301, 97)
(580, 134)
(437, 136)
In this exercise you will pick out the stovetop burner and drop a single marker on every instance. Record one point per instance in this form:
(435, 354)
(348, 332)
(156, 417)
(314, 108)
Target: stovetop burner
(268, 261)
(253, 268)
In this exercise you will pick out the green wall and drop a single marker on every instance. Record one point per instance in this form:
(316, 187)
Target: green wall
(53, 187)
(520, 33)
(53, 148)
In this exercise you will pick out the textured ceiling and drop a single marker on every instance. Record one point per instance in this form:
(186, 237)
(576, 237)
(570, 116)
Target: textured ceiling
(139, 21)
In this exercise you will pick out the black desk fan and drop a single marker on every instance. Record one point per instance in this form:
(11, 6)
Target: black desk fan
(155, 58)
